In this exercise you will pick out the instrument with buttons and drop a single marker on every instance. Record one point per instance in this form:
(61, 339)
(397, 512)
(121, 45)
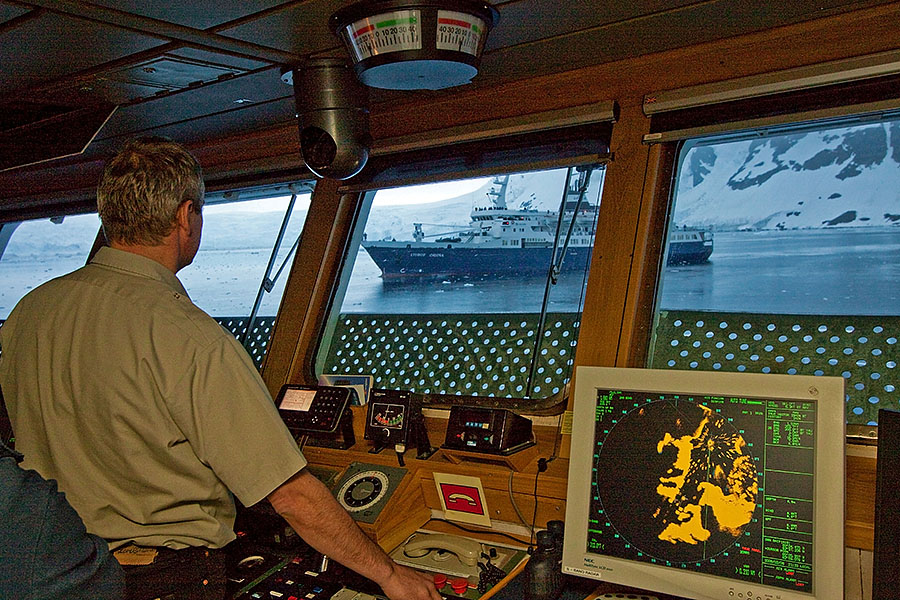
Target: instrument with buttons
(312, 408)
(293, 581)
(487, 430)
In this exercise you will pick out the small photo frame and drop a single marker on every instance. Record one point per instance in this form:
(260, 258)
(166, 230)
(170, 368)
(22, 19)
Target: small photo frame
(462, 498)
(361, 384)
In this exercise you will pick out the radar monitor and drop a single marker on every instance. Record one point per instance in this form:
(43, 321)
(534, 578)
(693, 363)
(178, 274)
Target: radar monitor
(708, 485)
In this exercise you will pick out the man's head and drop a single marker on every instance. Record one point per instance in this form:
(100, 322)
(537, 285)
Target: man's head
(143, 188)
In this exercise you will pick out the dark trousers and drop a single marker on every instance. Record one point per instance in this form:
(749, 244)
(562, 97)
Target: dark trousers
(189, 574)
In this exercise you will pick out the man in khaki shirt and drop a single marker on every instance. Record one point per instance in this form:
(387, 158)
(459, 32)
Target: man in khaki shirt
(149, 414)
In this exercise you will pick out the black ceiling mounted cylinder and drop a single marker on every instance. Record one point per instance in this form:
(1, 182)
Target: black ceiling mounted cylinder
(333, 118)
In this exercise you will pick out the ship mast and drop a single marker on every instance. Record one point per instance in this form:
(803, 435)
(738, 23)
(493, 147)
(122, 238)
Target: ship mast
(498, 195)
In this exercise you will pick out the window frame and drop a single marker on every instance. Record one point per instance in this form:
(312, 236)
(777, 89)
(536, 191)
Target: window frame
(552, 404)
(672, 154)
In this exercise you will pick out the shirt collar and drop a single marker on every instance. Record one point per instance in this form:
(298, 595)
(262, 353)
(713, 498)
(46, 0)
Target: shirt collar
(136, 264)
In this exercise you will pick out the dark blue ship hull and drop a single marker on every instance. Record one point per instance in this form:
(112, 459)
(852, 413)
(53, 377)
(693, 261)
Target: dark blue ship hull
(414, 260)
(689, 253)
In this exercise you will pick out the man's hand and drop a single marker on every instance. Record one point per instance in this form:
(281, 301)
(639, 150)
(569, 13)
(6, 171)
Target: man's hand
(308, 506)
(409, 584)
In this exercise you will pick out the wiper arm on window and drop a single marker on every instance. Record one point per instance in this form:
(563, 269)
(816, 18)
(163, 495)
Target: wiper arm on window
(267, 284)
(584, 180)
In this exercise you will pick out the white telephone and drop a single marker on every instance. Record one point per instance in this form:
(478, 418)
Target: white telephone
(467, 550)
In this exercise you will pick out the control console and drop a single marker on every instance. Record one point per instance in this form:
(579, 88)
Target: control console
(487, 430)
(312, 408)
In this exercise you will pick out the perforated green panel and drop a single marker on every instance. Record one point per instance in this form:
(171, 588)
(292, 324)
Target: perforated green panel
(259, 339)
(258, 342)
(476, 355)
(862, 350)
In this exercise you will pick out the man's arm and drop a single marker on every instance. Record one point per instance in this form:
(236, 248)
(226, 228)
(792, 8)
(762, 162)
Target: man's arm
(316, 516)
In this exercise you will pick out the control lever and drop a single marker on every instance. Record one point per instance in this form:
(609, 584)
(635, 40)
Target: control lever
(322, 564)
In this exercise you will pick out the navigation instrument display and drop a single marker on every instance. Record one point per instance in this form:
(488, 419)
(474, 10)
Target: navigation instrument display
(707, 485)
(297, 399)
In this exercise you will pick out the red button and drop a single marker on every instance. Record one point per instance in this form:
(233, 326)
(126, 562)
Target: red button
(459, 585)
(440, 580)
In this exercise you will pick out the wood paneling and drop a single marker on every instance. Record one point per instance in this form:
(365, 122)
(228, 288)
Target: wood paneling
(860, 520)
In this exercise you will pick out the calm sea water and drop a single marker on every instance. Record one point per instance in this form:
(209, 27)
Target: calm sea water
(850, 271)
(830, 272)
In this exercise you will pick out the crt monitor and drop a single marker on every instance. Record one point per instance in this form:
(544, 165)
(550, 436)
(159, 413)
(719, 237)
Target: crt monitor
(707, 485)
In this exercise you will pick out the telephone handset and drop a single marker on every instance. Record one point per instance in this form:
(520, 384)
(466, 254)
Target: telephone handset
(467, 550)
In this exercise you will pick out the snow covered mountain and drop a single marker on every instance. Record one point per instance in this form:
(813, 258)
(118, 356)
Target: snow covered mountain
(843, 177)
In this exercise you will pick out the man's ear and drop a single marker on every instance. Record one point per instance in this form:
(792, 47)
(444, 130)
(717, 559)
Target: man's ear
(183, 215)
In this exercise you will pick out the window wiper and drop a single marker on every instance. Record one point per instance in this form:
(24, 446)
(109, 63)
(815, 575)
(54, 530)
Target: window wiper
(584, 180)
(558, 256)
(268, 283)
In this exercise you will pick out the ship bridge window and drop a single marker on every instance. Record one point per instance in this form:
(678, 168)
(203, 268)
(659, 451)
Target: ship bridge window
(479, 318)
(249, 239)
(238, 275)
(784, 257)
(37, 250)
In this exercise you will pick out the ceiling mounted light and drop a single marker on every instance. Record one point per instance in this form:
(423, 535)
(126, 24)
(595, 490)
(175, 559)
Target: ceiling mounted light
(409, 45)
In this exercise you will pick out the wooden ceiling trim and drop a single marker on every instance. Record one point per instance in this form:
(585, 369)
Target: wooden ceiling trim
(656, 32)
(872, 30)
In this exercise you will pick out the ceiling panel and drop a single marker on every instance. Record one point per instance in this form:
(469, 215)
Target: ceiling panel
(208, 56)
(302, 28)
(189, 106)
(231, 122)
(54, 46)
(523, 21)
(199, 14)
(8, 12)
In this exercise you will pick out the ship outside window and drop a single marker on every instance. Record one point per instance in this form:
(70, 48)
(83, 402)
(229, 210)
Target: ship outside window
(788, 246)
(449, 294)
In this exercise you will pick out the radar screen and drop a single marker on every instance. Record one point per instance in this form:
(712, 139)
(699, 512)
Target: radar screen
(721, 486)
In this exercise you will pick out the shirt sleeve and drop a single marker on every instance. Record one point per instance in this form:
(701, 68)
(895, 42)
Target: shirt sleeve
(47, 552)
(234, 426)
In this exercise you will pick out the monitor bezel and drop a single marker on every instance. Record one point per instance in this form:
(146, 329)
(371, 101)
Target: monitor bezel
(828, 537)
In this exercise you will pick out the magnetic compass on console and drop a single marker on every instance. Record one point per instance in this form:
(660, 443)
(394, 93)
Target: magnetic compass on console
(363, 490)
(386, 502)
